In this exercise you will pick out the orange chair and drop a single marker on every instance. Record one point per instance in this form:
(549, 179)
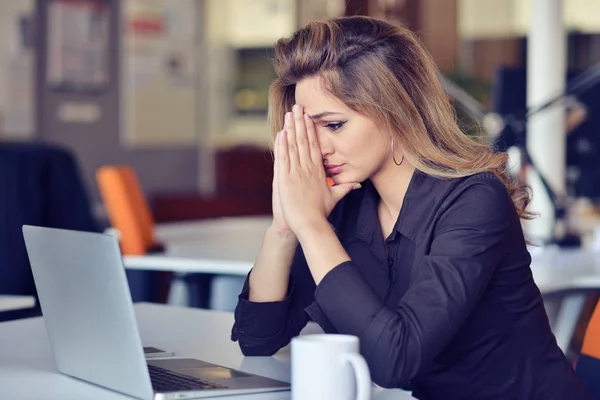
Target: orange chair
(129, 213)
(127, 209)
(588, 363)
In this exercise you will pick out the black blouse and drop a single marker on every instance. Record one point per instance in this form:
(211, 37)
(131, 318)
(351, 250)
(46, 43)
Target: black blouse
(445, 306)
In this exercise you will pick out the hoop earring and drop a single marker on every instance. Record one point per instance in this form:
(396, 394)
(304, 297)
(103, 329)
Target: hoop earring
(394, 156)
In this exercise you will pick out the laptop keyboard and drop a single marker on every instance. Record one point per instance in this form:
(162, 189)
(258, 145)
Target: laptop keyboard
(164, 380)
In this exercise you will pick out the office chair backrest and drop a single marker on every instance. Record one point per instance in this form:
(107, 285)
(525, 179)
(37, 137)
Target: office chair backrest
(588, 364)
(40, 184)
(140, 204)
(127, 208)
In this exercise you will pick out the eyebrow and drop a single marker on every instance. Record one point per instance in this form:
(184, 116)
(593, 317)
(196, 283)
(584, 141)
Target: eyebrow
(324, 114)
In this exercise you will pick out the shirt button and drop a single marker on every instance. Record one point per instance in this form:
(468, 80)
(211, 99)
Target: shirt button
(235, 330)
(242, 330)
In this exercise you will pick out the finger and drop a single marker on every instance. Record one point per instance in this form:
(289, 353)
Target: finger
(339, 191)
(283, 158)
(291, 147)
(275, 156)
(301, 136)
(313, 141)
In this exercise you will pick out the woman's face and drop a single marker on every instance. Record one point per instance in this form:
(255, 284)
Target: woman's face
(352, 146)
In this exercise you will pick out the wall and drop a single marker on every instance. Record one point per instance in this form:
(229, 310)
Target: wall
(434, 21)
(230, 26)
(438, 30)
(506, 18)
(16, 72)
(159, 80)
(98, 143)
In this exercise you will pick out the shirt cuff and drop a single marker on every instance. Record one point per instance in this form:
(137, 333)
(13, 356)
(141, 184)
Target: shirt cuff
(260, 319)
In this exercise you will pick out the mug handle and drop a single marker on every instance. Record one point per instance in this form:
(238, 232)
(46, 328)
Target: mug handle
(362, 374)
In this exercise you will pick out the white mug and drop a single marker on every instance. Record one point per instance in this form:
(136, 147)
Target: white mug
(329, 366)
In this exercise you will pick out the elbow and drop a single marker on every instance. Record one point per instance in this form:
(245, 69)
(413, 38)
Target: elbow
(394, 373)
(253, 347)
(391, 381)
(257, 351)
(263, 346)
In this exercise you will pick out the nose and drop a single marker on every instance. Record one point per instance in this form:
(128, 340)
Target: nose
(325, 143)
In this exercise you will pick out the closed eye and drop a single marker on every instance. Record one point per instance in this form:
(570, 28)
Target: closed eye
(334, 126)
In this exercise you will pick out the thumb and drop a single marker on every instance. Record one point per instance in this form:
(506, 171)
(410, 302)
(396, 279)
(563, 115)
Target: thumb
(341, 190)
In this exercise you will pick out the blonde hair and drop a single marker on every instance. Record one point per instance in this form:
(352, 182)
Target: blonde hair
(383, 71)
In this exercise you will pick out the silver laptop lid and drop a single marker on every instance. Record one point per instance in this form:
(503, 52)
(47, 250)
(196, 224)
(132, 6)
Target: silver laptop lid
(87, 308)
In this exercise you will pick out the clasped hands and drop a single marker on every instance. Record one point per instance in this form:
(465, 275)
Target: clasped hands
(302, 199)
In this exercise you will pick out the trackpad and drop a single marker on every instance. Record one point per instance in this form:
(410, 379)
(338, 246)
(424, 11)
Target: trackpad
(199, 369)
(213, 373)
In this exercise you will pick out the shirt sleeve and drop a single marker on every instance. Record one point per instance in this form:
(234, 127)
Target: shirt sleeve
(469, 243)
(262, 328)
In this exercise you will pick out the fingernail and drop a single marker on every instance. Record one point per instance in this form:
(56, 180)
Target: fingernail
(297, 108)
(288, 117)
(357, 186)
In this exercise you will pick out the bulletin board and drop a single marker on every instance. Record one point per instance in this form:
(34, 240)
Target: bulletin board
(77, 43)
(17, 70)
(159, 87)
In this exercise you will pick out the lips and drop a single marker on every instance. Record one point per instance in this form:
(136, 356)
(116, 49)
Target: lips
(333, 169)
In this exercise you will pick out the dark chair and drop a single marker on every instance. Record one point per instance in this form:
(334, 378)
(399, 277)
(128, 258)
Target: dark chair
(40, 185)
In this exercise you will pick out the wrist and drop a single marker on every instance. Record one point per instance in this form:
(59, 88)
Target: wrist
(323, 250)
(286, 237)
(313, 229)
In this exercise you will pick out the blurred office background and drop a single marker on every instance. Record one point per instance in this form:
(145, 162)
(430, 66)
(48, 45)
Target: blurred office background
(176, 90)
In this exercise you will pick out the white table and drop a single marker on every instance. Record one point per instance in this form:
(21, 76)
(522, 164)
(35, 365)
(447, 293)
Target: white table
(14, 302)
(27, 370)
(224, 246)
(566, 277)
(229, 246)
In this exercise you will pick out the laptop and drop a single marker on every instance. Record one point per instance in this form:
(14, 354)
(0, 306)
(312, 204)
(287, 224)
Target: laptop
(91, 325)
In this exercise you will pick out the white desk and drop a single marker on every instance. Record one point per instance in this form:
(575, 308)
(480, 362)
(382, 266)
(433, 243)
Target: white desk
(561, 269)
(27, 370)
(224, 246)
(565, 277)
(229, 246)
(14, 303)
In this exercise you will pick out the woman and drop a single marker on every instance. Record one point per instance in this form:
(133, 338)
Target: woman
(417, 248)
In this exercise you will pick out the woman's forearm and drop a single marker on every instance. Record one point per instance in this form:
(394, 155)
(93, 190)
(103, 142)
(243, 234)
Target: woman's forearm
(270, 275)
(322, 249)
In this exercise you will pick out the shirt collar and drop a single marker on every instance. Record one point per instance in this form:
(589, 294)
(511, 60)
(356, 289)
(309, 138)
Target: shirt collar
(419, 198)
(366, 222)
